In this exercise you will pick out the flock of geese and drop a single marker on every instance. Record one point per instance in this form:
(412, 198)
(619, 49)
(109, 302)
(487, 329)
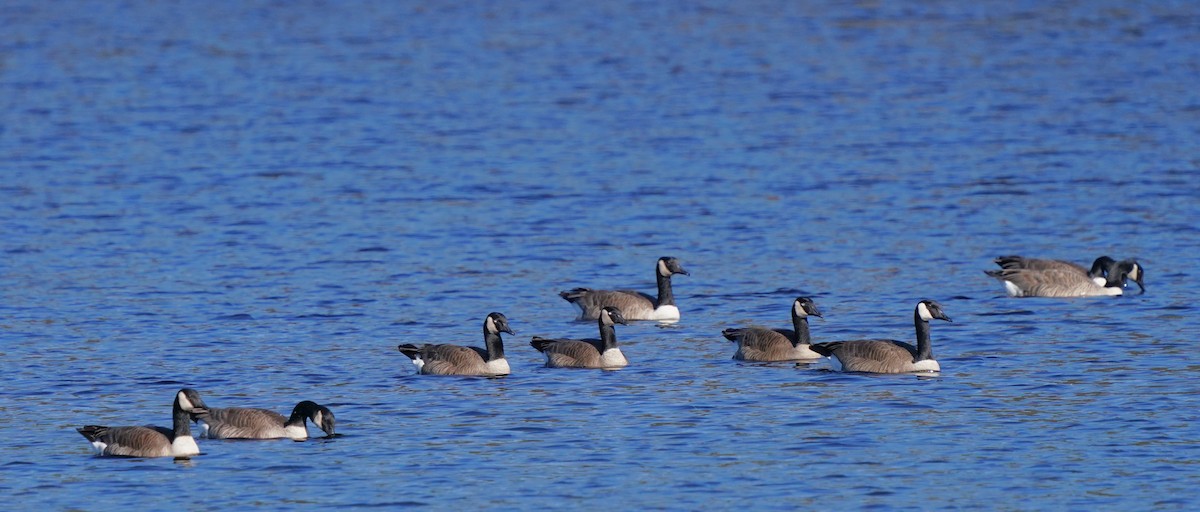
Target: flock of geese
(1022, 277)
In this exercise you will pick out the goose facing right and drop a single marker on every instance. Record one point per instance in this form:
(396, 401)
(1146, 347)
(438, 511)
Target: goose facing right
(586, 353)
(888, 356)
(1097, 273)
(254, 423)
(763, 344)
(152, 441)
(1022, 279)
(633, 304)
(448, 359)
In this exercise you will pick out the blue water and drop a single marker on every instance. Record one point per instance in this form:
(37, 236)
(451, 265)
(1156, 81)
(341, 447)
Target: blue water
(260, 200)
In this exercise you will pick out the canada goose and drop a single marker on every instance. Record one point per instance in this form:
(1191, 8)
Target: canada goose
(1060, 279)
(633, 304)
(152, 441)
(252, 423)
(1097, 273)
(888, 356)
(460, 360)
(586, 353)
(763, 344)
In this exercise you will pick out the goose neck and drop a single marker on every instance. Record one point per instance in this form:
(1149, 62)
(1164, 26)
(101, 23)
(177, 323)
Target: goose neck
(800, 325)
(608, 336)
(494, 345)
(924, 348)
(181, 422)
(665, 296)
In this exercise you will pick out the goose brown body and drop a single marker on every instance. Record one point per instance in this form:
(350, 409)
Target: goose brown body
(446, 359)
(766, 344)
(633, 304)
(586, 353)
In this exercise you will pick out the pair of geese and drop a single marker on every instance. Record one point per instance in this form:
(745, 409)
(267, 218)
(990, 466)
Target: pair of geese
(1023, 277)
(217, 423)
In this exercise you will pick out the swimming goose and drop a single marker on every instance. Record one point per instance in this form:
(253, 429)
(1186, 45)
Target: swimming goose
(586, 353)
(1062, 281)
(633, 304)
(1098, 273)
(460, 360)
(763, 344)
(888, 356)
(252, 423)
(152, 441)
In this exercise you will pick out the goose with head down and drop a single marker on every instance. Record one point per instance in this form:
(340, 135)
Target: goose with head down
(1053, 278)
(1097, 273)
(255, 423)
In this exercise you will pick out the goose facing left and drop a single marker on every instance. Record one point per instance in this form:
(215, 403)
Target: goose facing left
(152, 441)
(586, 353)
(888, 356)
(764, 344)
(254, 423)
(445, 359)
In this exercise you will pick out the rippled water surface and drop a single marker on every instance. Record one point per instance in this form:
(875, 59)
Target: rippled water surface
(260, 200)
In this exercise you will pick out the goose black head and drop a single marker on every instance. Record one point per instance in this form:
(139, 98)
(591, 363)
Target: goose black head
(668, 265)
(320, 415)
(496, 323)
(1130, 269)
(189, 401)
(804, 306)
(611, 315)
(930, 309)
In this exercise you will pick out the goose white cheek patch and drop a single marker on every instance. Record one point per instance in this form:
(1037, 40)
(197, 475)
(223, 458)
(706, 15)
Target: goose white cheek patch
(923, 310)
